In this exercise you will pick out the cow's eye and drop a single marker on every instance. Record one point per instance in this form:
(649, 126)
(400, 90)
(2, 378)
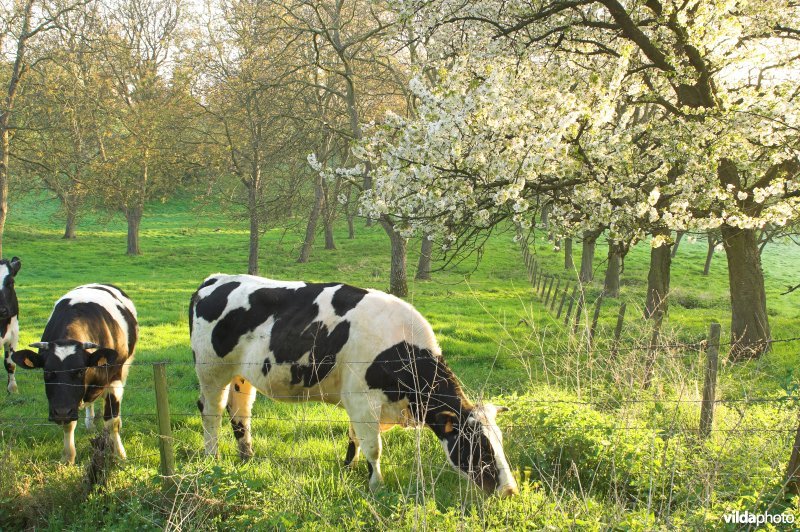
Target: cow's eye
(80, 373)
(48, 375)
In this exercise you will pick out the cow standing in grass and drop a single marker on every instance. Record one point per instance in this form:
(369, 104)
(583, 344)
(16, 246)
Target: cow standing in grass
(366, 350)
(9, 316)
(86, 351)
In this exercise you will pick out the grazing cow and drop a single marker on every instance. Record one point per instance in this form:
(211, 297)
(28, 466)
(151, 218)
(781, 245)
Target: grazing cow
(9, 316)
(86, 351)
(369, 351)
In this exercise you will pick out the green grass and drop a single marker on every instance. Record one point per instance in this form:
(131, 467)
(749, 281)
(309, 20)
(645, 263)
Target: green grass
(577, 467)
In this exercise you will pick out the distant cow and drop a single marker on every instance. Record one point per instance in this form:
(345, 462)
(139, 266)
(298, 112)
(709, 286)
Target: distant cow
(9, 316)
(369, 351)
(86, 350)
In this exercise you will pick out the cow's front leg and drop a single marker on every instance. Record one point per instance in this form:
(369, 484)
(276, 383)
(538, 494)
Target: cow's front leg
(10, 369)
(111, 416)
(211, 403)
(369, 436)
(352, 447)
(69, 442)
(240, 406)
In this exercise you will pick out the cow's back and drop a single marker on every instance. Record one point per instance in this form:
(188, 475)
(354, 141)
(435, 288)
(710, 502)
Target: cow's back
(98, 313)
(295, 340)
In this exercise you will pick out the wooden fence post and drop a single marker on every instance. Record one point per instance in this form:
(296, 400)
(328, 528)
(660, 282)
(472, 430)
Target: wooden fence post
(533, 275)
(710, 385)
(555, 296)
(793, 471)
(542, 284)
(593, 328)
(549, 290)
(618, 329)
(563, 299)
(571, 302)
(579, 310)
(164, 427)
(652, 349)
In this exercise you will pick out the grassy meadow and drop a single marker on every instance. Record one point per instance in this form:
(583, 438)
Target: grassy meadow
(593, 450)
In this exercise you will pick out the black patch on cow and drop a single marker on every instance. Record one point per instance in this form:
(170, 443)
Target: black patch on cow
(10, 367)
(200, 405)
(208, 282)
(212, 306)
(369, 468)
(236, 387)
(111, 409)
(4, 327)
(346, 298)
(351, 453)
(405, 371)
(470, 449)
(238, 429)
(117, 288)
(266, 367)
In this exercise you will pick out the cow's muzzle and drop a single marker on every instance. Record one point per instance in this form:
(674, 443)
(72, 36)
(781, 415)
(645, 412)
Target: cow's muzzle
(507, 491)
(62, 416)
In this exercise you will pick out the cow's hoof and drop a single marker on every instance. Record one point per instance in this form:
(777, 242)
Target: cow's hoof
(12, 387)
(245, 452)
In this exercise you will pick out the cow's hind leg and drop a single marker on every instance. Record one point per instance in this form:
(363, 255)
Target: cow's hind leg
(352, 447)
(111, 416)
(211, 403)
(10, 368)
(241, 396)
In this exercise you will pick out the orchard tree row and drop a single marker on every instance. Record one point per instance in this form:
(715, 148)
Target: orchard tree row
(445, 119)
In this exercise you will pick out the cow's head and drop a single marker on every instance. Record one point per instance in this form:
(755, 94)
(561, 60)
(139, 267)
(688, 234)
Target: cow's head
(64, 363)
(8, 296)
(474, 445)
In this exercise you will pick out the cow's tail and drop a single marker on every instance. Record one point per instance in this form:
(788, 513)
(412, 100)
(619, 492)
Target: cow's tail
(192, 305)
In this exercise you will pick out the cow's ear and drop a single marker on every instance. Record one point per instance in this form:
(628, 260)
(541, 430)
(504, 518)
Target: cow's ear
(446, 420)
(14, 266)
(27, 359)
(102, 357)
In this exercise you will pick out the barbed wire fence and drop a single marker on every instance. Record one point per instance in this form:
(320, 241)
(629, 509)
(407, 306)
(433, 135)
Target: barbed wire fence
(162, 416)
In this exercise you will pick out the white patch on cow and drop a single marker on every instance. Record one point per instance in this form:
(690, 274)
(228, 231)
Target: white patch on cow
(4, 272)
(486, 416)
(11, 337)
(126, 302)
(327, 315)
(63, 351)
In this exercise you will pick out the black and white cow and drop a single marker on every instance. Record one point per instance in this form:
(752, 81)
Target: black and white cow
(86, 351)
(368, 351)
(9, 316)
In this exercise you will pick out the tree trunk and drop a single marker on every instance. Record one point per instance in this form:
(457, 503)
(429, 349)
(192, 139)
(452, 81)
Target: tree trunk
(424, 264)
(587, 256)
(398, 284)
(71, 224)
(658, 280)
(134, 217)
(329, 242)
(351, 228)
(712, 243)
(611, 283)
(252, 207)
(568, 263)
(311, 226)
(678, 238)
(4, 159)
(750, 333)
